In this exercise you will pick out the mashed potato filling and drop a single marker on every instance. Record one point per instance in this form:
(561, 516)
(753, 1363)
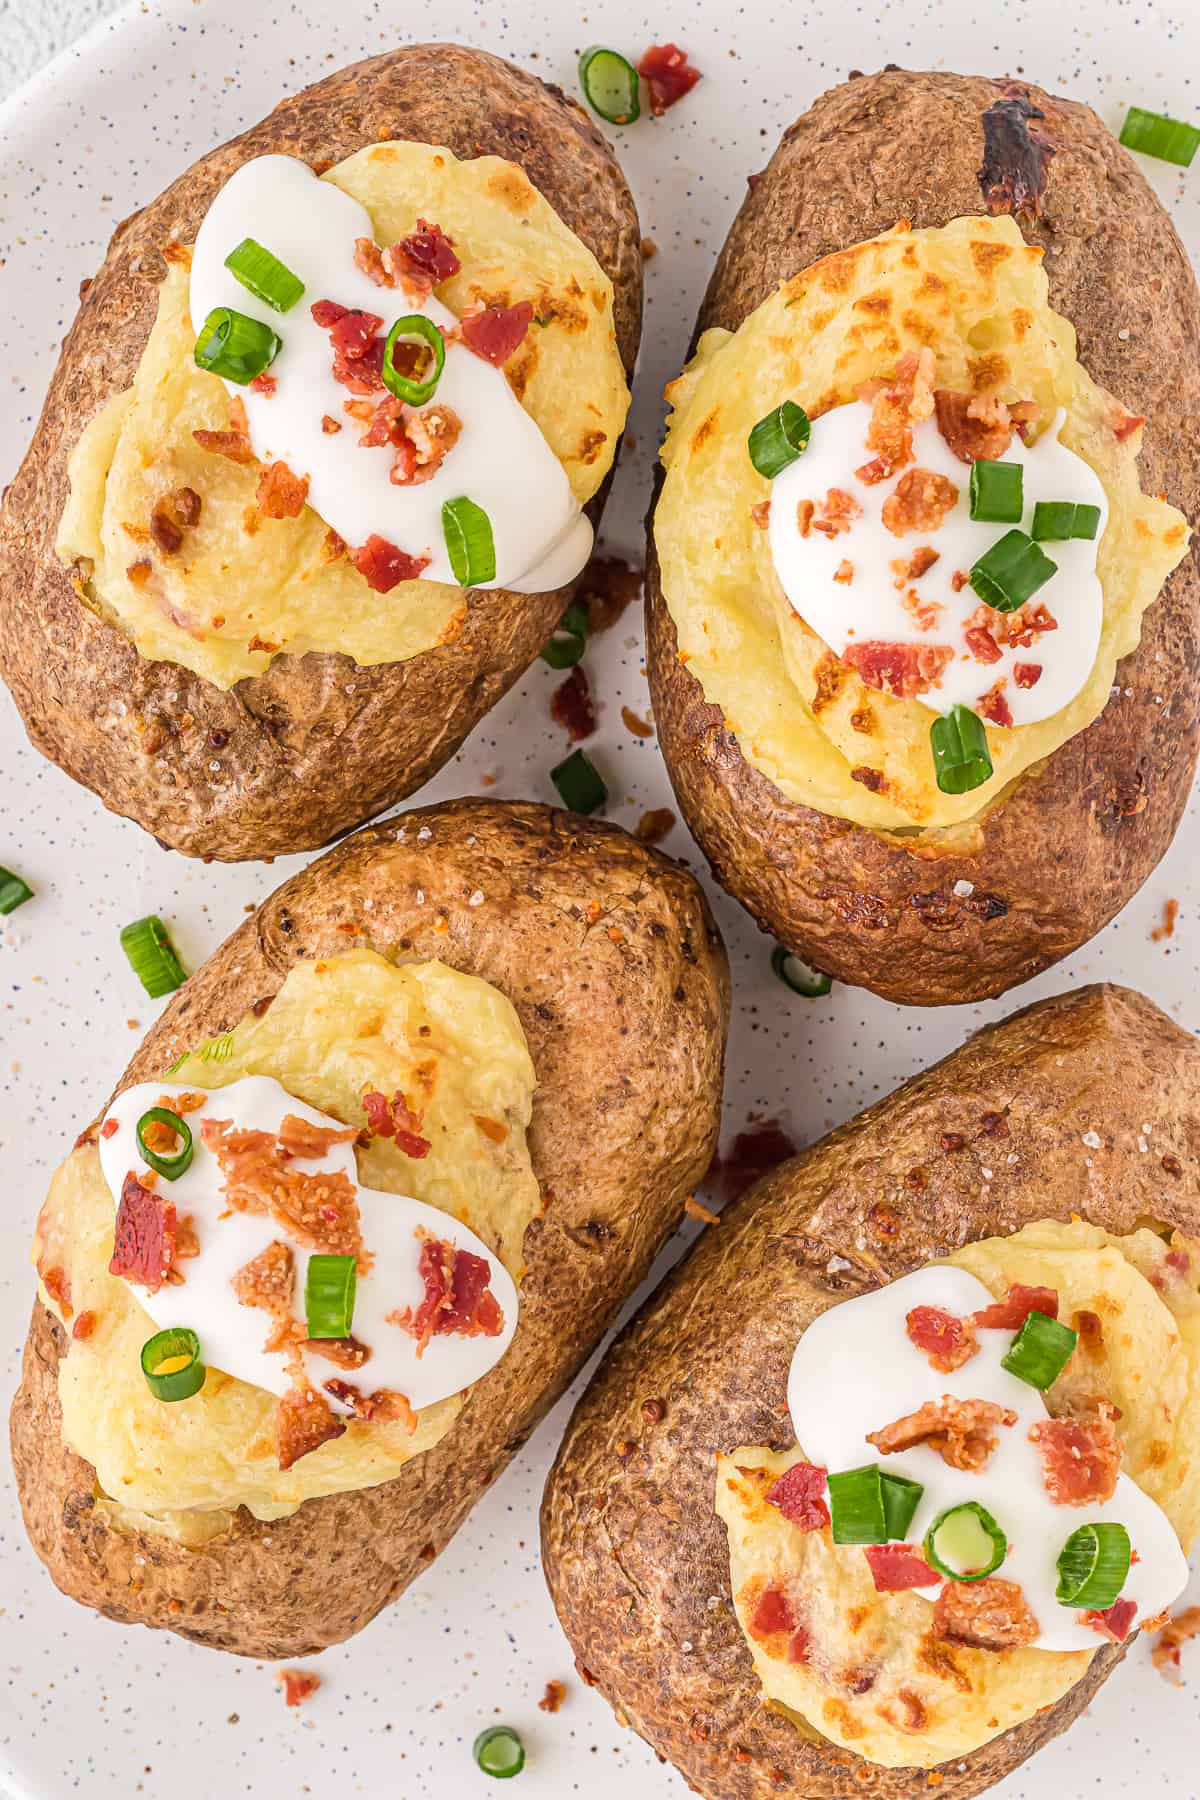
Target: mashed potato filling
(977, 296)
(243, 587)
(356, 1021)
(875, 1678)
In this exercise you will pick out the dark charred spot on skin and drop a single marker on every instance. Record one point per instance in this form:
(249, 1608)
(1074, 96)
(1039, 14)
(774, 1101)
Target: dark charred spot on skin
(654, 1411)
(952, 1141)
(1126, 795)
(917, 1179)
(940, 911)
(831, 675)
(1016, 157)
(1172, 1165)
(993, 1125)
(874, 779)
(884, 1220)
(260, 1006)
(868, 912)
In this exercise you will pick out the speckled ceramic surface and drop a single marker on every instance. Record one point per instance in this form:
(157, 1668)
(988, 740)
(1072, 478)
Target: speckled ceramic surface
(86, 1706)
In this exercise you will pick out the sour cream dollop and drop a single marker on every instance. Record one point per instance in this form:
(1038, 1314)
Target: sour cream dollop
(501, 461)
(232, 1335)
(855, 1370)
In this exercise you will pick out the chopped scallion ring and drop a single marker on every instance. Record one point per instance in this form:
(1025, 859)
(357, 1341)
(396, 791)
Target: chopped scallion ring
(13, 891)
(152, 956)
(171, 1364)
(264, 276)
(1154, 134)
(901, 1498)
(797, 974)
(416, 330)
(965, 1543)
(329, 1292)
(469, 542)
(169, 1163)
(1040, 1351)
(779, 439)
(858, 1514)
(580, 785)
(997, 492)
(235, 346)
(499, 1752)
(1062, 519)
(961, 757)
(564, 649)
(1093, 1565)
(1011, 572)
(610, 85)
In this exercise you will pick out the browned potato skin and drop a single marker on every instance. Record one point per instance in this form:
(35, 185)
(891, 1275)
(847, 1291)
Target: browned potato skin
(625, 1011)
(1054, 859)
(636, 1558)
(317, 744)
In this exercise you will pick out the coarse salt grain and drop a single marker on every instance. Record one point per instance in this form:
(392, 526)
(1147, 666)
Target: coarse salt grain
(964, 889)
(1092, 1139)
(475, 899)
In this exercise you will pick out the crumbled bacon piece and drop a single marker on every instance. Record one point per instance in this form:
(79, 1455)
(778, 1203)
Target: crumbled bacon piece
(280, 494)
(760, 512)
(329, 425)
(458, 1297)
(919, 501)
(357, 349)
(187, 1240)
(844, 572)
(431, 434)
(1027, 675)
(387, 1405)
(993, 707)
(1081, 1458)
(144, 1240)
(1115, 1622)
(571, 706)
(988, 1615)
(921, 561)
(946, 1340)
(982, 644)
(897, 1567)
(607, 586)
(265, 384)
(301, 1139)
(836, 513)
(924, 613)
(430, 251)
(394, 1118)
(268, 1281)
(497, 331)
(552, 1699)
(877, 470)
(804, 516)
(1176, 1633)
(343, 1353)
(234, 445)
(172, 516)
(319, 1211)
(668, 76)
(976, 427)
(110, 1128)
(383, 566)
(959, 1430)
(298, 1684)
(901, 669)
(1011, 1313)
(897, 406)
(304, 1420)
(1011, 630)
(800, 1496)
(327, 313)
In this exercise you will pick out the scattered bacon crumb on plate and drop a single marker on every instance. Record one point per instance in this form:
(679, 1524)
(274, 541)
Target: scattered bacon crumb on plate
(1167, 928)
(695, 1209)
(668, 75)
(1175, 1633)
(298, 1685)
(555, 1694)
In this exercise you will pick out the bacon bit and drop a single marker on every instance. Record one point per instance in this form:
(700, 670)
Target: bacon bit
(301, 1139)
(1016, 629)
(432, 434)
(877, 470)
(552, 1699)
(1011, 1313)
(304, 1420)
(386, 1405)
(754, 1152)
(959, 1430)
(760, 512)
(1080, 1459)
(844, 572)
(975, 426)
(428, 252)
(368, 258)
(1115, 1622)
(993, 707)
(458, 1297)
(394, 1118)
(800, 1496)
(268, 1281)
(668, 75)
(895, 407)
(330, 425)
(704, 1215)
(775, 1614)
(641, 728)
(382, 566)
(607, 586)
(109, 1128)
(989, 1615)
(280, 494)
(1184, 1626)
(919, 502)
(904, 670)
(924, 613)
(187, 1240)
(172, 516)
(265, 384)
(344, 1353)
(298, 1684)
(897, 1567)
(58, 1286)
(496, 332)
(234, 445)
(654, 826)
(571, 706)
(1027, 675)
(947, 1341)
(320, 1211)
(838, 510)
(357, 350)
(327, 314)
(1167, 928)
(804, 517)
(144, 1241)
(84, 1326)
(921, 561)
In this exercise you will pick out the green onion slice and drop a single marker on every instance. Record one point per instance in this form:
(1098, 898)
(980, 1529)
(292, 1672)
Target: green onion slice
(997, 491)
(901, 1499)
(1093, 1565)
(499, 1752)
(569, 641)
(173, 1163)
(961, 757)
(414, 328)
(13, 891)
(1040, 1351)
(610, 85)
(779, 439)
(796, 974)
(1062, 519)
(469, 542)
(233, 345)
(1154, 134)
(152, 956)
(580, 785)
(965, 1543)
(264, 275)
(171, 1364)
(329, 1290)
(1011, 572)
(857, 1511)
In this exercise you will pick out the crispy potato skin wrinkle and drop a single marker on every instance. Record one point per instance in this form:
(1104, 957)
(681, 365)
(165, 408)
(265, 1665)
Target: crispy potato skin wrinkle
(1062, 848)
(626, 1035)
(311, 746)
(636, 1557)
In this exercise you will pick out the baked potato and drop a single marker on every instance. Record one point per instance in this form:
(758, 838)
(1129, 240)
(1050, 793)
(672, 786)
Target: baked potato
(509, 1015)
(927, 772)
(687, 1541)
(205, 615)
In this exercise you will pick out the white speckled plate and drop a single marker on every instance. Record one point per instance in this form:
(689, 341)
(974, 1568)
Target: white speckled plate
(86, 1706)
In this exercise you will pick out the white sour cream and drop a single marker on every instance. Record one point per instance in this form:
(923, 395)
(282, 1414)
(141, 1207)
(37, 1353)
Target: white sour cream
(501, 461)
(232, 1335)
(870, 607)
(855, 1371)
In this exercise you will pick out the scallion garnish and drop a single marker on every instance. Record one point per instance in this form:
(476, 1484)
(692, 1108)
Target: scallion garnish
(169, 1163)
(610, 85)
(579, 783)
(1154, 134)
(469, 542)
(264, 275)
(796, 974)
(13, 891)
(329, 1290)
(901, 1498)
(171, 1364)
(499, 1752)
(152, 956)
(235, 346)
(1040, 1351)
(779, 439)
(1062, 519)
(564, 649)
(965, 1543)
(414, 328)
(1011, 572)
(1093, 1565)
(961, 758)
(997, 492)
(857, 1511)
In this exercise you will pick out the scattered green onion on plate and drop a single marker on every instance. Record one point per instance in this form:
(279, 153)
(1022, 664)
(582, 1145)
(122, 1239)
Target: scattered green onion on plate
(1154, 134)
(1063, 519)
(469, 542)
(415, 329)
(1093, 1565)
(152, 956)
(264, 276)
(579, 783)
(171, 1364)
(997, 492)
(1011, 572)
(1040, 1351)
(961, 758)
(235, 346)
(798, 975)
(499, 1752)
(965, 1543)
(13, 891)
(779, 439)
(610, 85)
(169, 1163)
(330, 1287)
(568, 641)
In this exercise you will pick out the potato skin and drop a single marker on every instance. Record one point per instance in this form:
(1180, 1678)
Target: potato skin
(636, 1558)
(316, 744)
(1055, 858)
(625, 1013)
